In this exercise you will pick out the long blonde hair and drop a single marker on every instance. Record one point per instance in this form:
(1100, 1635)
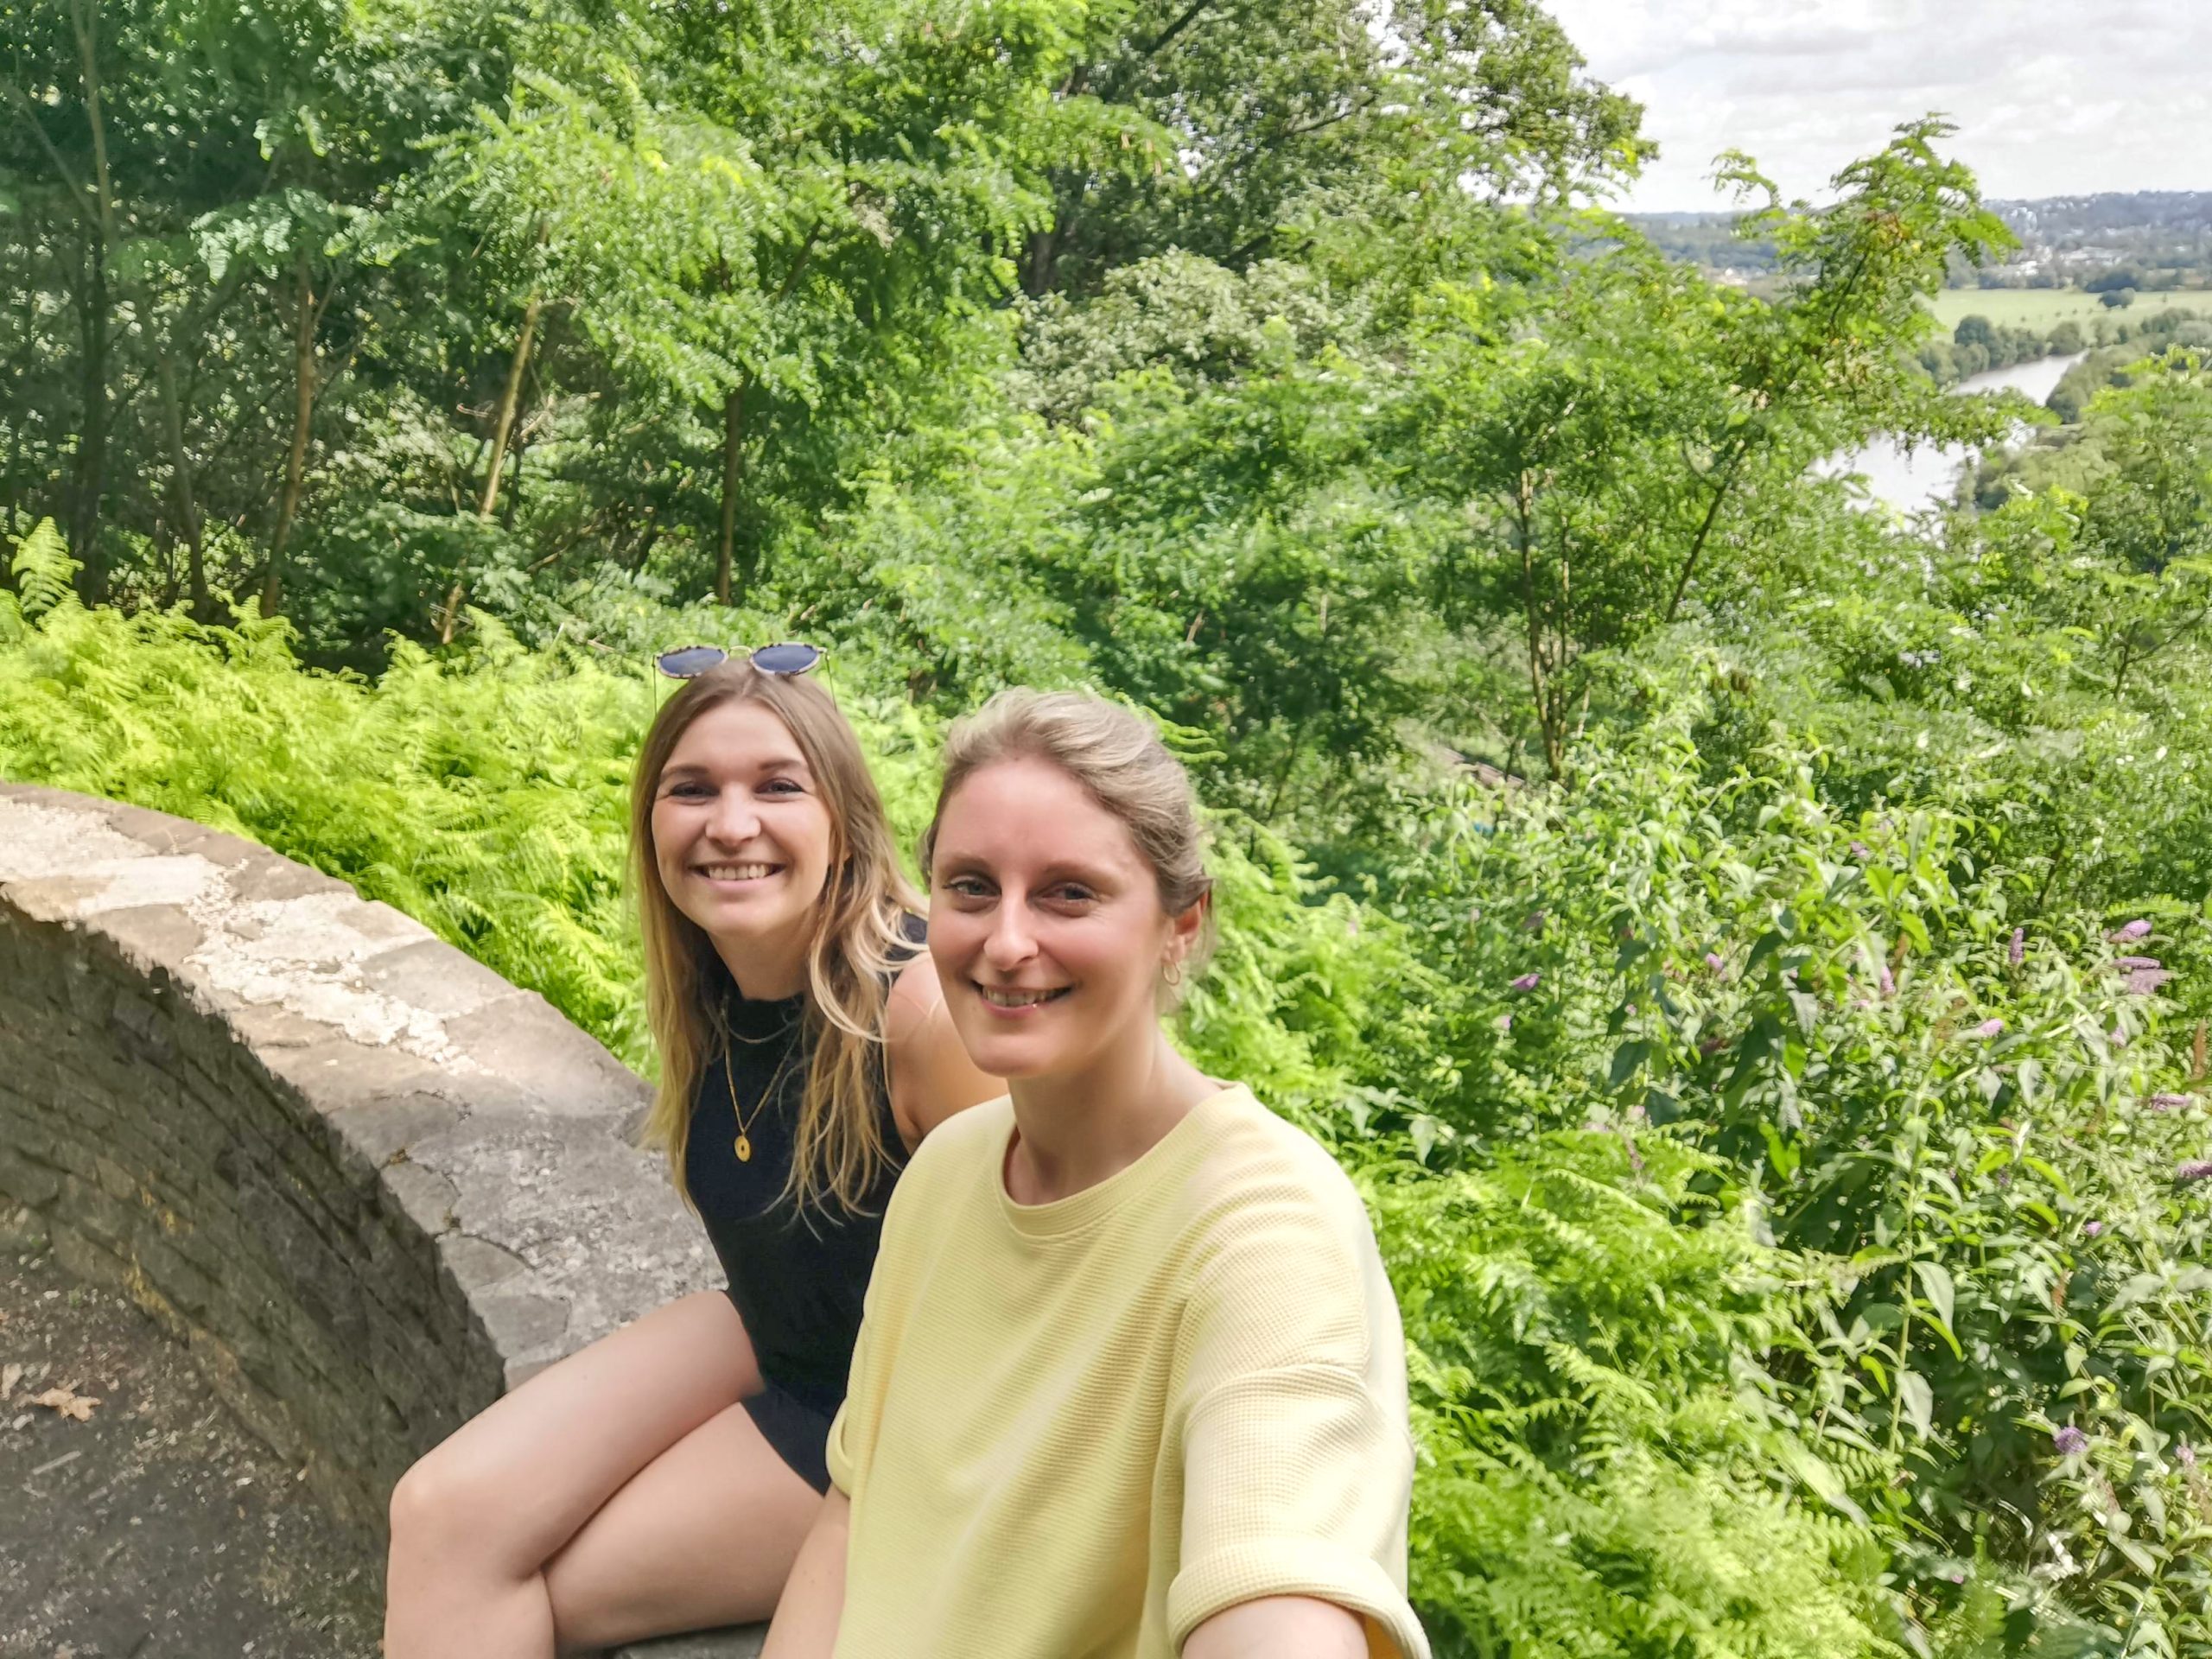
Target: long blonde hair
(838, 1147)
(1121, 764)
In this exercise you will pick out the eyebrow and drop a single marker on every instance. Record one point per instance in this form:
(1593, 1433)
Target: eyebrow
(773, 763)
(957, 863)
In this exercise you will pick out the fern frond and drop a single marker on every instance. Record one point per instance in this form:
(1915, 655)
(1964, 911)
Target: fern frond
(45, 575)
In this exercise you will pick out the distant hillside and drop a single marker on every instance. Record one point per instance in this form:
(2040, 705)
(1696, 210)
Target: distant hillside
(2146, 240)
(2176, 211)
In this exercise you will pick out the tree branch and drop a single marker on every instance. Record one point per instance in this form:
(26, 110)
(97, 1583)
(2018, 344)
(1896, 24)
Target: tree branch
(1166, 36)
(79, 196)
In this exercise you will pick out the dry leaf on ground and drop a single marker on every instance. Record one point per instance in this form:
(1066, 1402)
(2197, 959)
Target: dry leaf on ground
(68, 1402)
(10, 1375)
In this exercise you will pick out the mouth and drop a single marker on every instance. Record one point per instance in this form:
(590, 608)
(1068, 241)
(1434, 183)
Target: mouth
(1014, 1000)
(753, 872)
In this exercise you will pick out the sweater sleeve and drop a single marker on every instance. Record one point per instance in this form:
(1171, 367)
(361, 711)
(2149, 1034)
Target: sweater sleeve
(853, 1430)
(1294, 1484)
(846, 1452)
(1297, 1461)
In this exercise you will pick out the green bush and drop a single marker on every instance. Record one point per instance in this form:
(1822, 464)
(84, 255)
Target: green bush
(1798, 1231)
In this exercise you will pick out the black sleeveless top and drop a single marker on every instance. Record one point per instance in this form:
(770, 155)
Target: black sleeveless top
(798, 1278)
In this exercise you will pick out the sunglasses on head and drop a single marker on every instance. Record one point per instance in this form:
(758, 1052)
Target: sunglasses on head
(689, 662)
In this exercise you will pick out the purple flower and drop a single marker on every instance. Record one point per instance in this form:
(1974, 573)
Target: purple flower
(2186, 1453)
(1989, 1028)
(2117, 1037)
(2144, 981)
(1528, 982)
(2134, 930)
(2201, 1170)
(1860, 849)
(2018, 948)
(1716, 960)
(2092, 1227)
(1505, 1022)
(2167, 1102)
(2070, 1441)
(1712, 1046)
(1888, 981)
(2129, 964)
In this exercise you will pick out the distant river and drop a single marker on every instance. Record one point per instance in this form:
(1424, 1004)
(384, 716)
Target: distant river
(1910, 480)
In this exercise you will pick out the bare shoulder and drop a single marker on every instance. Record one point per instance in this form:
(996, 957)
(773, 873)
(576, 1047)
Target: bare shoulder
(915, 998)
(931, 1076)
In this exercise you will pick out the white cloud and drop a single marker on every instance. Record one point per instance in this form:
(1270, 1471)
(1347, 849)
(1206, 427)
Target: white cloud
(2050, 97)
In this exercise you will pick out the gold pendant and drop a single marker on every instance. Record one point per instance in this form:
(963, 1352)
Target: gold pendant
(744, 1149)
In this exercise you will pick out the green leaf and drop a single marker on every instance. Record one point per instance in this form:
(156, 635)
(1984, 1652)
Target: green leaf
(1627, 1059)
(1918, 1401)
(44, 574)
(1936, 1283)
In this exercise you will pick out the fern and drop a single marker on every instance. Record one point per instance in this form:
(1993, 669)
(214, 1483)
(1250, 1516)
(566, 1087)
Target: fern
(44, 574)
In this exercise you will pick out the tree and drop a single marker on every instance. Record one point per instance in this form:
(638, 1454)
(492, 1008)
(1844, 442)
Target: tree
(1268, 104)
(786, 229)
(1614, 461)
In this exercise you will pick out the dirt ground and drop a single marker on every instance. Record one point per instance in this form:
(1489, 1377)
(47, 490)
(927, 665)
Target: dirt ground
(149, 1525)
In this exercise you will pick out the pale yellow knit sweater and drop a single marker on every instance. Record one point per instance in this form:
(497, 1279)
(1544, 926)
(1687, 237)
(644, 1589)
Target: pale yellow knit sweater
(1078, 1430)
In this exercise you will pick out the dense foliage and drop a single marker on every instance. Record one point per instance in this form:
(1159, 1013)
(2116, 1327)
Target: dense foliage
(1753, 952)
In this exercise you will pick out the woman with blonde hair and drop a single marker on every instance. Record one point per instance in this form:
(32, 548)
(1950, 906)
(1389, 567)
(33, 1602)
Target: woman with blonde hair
(1131, 1383)
(663, 1478)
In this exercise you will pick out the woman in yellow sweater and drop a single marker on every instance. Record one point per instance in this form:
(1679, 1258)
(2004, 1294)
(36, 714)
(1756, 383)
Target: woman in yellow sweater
(1130, 1381)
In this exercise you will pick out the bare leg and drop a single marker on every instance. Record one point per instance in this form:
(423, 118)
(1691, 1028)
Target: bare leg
(704, 1534)
(474, 1523)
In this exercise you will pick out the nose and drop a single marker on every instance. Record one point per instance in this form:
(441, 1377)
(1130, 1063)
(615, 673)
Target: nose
(1010, 944)
(735, 820)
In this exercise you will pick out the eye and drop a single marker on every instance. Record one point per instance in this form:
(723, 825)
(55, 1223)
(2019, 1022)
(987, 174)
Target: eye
(966, 886)
(1071, 893)
(690, 788)
(782, 787)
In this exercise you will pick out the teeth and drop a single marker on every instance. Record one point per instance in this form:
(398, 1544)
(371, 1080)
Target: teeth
(1001, 999)
(736, 871)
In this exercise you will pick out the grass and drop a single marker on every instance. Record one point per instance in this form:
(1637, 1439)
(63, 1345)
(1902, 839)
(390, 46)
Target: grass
(2045, 308)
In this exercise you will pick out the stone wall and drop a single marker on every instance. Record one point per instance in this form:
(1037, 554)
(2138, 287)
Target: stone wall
(370, 1183)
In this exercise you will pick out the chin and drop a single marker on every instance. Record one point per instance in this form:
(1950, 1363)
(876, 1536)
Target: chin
(1004, 1054)
(739, 919)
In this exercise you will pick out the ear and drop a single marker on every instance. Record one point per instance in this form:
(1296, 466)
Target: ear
(1186, 927)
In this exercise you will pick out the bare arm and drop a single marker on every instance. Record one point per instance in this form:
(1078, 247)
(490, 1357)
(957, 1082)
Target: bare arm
(1279, 1627)
(814, 1596)
(931, 1076)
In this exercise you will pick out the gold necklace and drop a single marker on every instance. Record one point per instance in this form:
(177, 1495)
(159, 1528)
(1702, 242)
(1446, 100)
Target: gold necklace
(743, 1147)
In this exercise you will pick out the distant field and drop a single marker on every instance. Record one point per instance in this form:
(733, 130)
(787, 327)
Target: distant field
(2045, 308)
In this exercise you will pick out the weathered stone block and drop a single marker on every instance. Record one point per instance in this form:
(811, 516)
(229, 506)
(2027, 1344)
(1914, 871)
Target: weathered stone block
(525, 1044)
(374, 1182)
(25, 1182)
(85, 1258)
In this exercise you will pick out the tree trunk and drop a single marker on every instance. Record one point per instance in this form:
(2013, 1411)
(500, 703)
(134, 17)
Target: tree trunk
(503, 426)
(1542, 691)
(92, 457)
(184, 505)
(1040, 266)
(296, 463)
(90, 483)
(733, 480)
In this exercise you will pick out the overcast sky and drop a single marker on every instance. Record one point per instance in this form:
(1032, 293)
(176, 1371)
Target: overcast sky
(2051, 96)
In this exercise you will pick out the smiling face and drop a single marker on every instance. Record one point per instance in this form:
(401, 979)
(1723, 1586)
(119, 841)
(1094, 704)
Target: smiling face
(742, 838)
(1046, 924)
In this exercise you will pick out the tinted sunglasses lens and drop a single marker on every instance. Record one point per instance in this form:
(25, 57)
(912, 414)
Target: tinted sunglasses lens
(690, 662)
(786, 659)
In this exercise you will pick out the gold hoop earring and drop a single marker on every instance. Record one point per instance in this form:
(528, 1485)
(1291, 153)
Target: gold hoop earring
(1172, 973)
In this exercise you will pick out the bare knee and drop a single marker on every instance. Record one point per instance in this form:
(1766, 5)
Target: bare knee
(448, 1509)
